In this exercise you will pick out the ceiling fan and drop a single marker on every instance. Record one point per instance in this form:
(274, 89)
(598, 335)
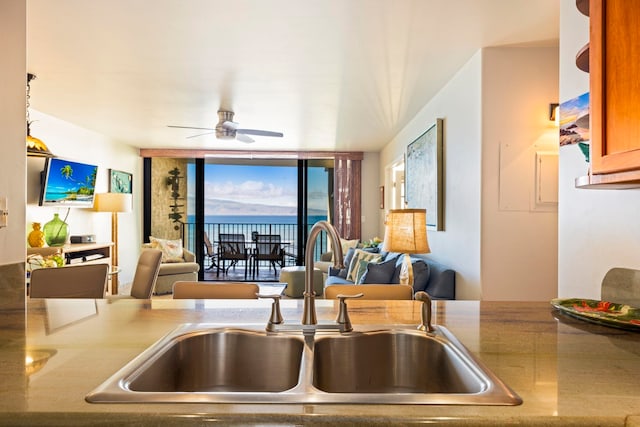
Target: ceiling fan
(228, 129)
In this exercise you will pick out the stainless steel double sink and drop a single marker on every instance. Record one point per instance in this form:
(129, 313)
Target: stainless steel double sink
(387, 365)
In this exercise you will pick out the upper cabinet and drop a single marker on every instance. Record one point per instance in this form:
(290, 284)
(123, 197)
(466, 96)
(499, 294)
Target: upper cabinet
(614, 67)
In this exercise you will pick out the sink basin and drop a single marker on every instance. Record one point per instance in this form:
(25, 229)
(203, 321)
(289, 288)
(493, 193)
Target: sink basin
(196, 363)
(208, 363)
(222, 360)
(392, 362)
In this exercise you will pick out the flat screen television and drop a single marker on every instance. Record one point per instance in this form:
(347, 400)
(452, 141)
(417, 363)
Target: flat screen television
(67, 183)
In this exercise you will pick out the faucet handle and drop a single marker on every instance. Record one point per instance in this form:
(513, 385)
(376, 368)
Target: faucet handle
(276, 315)
(425, 314)
(343, 315)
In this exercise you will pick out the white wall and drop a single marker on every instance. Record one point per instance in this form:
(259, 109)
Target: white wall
(501, 95)
(598, 229)
(370, 201)
(458, 103)
(13, 78)
(519, 236)
(69, 141)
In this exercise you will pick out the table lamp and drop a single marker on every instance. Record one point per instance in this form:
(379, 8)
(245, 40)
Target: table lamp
(406, 232)
(114, 203)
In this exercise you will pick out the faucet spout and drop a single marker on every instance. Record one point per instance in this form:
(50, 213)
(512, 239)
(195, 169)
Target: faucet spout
(309, 307)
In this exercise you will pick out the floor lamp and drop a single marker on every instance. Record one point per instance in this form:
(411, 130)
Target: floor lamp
(114, 203)
(406, 232)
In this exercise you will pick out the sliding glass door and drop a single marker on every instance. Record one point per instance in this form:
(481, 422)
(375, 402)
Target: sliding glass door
(198, 199)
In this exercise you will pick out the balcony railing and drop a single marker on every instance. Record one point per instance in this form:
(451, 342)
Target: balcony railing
(287, 232)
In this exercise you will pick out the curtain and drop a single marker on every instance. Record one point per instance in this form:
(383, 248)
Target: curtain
(347, 197)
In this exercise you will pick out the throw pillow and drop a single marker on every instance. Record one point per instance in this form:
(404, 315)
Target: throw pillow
(379, 272)
(421, 273)
(361, 269)
(346, 244)
(342, 273)
(335, 272)
(171, 249)
(354, 266)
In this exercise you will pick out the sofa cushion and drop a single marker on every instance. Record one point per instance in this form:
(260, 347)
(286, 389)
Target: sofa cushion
(171, 249)
(379, 272)
(358, 264)
(421, 272)
(336, 280)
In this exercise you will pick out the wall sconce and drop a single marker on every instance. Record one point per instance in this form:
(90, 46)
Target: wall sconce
(554, 113)
(35, 147)
(4, 213)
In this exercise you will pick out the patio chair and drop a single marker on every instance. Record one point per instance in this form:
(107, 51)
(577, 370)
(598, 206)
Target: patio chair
(210, 252)
(268, 248)
(232, 247)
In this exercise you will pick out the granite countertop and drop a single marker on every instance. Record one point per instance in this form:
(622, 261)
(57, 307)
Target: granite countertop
(566, 371)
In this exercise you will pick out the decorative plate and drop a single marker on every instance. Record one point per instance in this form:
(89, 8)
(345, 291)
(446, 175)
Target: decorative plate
(601, 312)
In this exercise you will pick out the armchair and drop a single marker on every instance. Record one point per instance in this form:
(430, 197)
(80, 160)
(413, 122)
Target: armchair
(171, 272)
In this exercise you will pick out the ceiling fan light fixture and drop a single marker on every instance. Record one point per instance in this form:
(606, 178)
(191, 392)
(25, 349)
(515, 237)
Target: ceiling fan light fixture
(224, 133)
(226, 128)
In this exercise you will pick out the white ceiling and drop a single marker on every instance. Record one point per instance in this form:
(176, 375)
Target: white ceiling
(330, 74)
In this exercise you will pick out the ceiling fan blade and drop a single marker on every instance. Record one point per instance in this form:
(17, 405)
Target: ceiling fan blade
(230, 125)
(188, 127)
(244, 138)
(259, 132)
(200, 134)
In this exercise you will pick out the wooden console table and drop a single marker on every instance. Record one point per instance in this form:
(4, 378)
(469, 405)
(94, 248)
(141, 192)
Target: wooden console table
(83, 253)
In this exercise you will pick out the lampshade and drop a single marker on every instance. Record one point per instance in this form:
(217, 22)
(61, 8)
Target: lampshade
(37, 148)
(112, 202)
(406, 231)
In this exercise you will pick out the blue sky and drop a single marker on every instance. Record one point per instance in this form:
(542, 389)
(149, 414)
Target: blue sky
(264, 185)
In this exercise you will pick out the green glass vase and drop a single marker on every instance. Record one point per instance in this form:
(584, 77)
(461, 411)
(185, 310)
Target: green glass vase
(56, 231)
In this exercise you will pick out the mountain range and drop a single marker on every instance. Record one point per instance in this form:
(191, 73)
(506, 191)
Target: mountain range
(228, 207)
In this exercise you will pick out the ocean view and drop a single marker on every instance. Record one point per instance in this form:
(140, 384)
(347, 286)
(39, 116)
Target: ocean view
(283, 225)
(255, 219)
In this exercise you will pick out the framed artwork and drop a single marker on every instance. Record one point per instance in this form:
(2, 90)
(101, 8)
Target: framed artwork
(574, 120)
(120, 182)
(574, 124)
(423, 175)
(382, 197)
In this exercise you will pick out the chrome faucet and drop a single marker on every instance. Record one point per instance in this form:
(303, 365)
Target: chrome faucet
(309, 307)
(309, 322)
(425, 314)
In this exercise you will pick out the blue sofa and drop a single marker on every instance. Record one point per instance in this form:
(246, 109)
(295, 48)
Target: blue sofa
(436, 279)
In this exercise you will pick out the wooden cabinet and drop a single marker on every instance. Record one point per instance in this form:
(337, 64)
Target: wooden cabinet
(83, 253)
(614, 67)
(80, 253)
(94, 253)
